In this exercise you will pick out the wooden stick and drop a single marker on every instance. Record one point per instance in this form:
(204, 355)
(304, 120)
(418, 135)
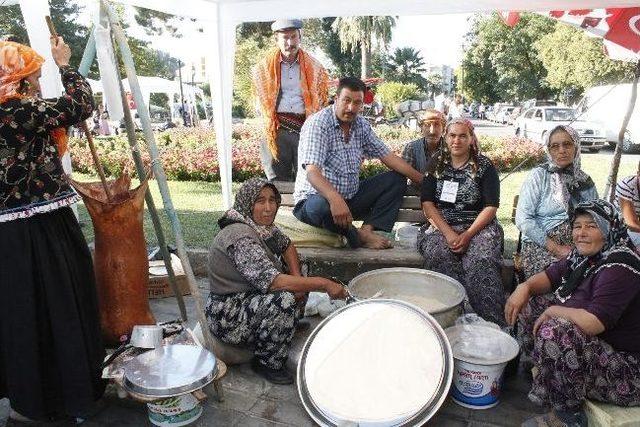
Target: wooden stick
(52, 29)
(85, 128)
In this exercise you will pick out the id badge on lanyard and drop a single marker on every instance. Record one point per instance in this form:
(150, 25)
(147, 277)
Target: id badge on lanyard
(449, 191)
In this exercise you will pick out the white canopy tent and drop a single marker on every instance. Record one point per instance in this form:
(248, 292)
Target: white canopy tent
(225, 15)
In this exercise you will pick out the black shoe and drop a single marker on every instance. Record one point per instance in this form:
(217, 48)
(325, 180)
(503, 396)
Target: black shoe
(275, 376)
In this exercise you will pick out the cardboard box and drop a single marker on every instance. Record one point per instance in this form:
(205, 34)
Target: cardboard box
(159, 286)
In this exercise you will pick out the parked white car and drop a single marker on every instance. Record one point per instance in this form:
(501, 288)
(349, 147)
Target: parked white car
(536, 122)
(502, 116)
(607, 105)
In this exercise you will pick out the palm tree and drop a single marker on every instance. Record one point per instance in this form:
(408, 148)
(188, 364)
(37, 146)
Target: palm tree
(362, 31)
(406, 66)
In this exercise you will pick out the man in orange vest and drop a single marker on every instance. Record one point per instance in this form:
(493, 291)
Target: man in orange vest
(290, 85)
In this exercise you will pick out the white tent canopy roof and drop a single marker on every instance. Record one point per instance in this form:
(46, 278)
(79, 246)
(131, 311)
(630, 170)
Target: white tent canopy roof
(265, 10)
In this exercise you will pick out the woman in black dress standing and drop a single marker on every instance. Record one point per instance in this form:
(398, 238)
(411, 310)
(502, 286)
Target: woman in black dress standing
(50, 346)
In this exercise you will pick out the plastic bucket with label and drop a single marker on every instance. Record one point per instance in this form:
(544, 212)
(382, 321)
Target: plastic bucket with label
(480, 355)
(174, 411)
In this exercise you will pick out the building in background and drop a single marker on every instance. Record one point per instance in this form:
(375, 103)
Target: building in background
(447, 75)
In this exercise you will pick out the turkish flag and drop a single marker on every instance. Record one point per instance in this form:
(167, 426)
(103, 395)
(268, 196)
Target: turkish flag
(624, 27)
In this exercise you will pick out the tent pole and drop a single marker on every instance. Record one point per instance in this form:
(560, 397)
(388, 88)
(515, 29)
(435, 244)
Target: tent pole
(88, 57)
(153, 213)
(161, 178)
(609, 189)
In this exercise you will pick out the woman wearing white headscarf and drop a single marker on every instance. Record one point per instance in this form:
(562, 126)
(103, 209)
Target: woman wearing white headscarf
(547, 199)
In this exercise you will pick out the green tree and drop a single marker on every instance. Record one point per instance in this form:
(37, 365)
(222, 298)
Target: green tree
(318, 33)
(64, 15)
(391, 93)
(406, 65)
(247, 52)
(362, 32)
(575, 62)
(434, 84)
(501, 63)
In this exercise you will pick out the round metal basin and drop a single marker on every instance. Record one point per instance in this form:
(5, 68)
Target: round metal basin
(437, 294)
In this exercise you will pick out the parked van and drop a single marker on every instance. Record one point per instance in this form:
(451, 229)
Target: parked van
(607, 105)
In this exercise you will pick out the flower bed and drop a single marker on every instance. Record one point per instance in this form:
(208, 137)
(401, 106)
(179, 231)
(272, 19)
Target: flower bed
(190, 154)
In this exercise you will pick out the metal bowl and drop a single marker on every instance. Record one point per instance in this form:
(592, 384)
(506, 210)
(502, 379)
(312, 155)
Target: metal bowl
(316, 349)
(146, 336)
(170, 370)
(437, 294)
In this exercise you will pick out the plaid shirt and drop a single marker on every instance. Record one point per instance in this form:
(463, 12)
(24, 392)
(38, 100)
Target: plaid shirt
(322, 144)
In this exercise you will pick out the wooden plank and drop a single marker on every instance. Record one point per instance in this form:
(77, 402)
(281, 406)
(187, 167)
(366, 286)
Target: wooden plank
(411, 216)
(286, 187)
(408, 202)
(397, 255)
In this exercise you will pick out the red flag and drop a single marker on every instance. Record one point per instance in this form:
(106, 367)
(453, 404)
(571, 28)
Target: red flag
(510, 18)
(624, 27)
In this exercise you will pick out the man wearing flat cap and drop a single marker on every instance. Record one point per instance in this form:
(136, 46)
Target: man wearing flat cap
(290, 85)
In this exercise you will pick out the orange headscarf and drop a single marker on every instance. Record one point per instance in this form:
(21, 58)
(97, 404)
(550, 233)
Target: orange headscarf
(314, 83)
(17, 62)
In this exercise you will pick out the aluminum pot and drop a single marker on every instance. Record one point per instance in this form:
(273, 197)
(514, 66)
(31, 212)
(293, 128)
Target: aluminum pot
(147, 336)
(437, 294)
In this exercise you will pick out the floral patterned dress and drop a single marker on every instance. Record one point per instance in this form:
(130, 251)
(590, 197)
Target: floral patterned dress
(50, 345)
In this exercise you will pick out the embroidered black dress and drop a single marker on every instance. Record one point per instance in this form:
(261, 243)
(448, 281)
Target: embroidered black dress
(50, 346)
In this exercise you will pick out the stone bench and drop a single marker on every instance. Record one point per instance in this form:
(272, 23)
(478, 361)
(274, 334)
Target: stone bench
(605, 415)
(346, 263)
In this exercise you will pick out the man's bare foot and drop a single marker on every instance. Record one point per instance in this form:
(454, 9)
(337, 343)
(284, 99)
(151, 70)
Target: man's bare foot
(369, 239)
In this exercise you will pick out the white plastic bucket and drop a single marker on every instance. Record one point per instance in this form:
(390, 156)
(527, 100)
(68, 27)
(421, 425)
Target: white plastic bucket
(480, 355)
(174, 411)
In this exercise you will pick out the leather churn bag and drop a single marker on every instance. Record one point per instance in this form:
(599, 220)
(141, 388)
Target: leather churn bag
(120, 258)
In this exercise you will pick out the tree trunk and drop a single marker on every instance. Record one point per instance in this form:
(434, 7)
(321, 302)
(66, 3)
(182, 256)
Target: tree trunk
(617, 154)
(365, 57)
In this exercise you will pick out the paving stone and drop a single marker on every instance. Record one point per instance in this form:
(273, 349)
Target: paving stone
(242, 379)
(218, 417)
(4, 411)
(442, 420)
(234, 400)
(253, 421)
(282, 412)
(285, 393)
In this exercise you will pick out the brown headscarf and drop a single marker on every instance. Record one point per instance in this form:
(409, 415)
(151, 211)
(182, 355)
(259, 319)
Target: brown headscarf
(17, 62)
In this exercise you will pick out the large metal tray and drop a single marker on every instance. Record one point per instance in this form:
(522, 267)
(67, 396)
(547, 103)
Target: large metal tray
(170, 371)
(419, 417)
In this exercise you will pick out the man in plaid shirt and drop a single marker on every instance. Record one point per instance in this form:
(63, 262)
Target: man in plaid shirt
(328, 192)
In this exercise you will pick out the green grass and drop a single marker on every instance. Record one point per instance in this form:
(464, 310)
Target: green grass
(199, 204)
